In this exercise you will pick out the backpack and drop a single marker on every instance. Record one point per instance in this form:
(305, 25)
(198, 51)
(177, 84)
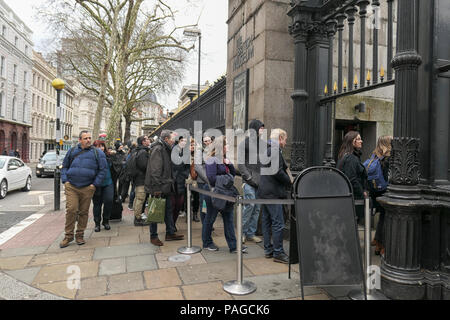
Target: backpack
(130, 170)
(375, 174)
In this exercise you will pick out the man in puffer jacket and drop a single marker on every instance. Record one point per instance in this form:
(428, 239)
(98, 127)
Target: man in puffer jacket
(84, 169)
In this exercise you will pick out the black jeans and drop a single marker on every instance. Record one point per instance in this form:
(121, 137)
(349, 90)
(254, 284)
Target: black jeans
(103, 197)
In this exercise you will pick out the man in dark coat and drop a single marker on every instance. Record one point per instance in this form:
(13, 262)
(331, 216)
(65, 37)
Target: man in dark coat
(142, 156)
(250, 171)
(273, 185)
(159, 182)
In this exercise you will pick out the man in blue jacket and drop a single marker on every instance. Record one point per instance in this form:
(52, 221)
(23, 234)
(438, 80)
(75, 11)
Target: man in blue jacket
(84, 169)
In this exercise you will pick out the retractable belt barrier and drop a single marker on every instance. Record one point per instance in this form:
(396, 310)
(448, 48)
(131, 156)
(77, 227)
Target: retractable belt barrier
(239, 286)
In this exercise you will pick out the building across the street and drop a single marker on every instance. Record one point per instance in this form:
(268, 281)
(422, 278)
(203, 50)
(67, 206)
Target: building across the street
(43, 107)
(15, 84)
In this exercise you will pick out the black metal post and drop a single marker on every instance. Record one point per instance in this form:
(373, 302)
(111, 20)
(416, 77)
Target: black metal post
(340, 27)
(362, 14)
(375, 6)
(57, 180)
(351, 21)
(390, 44)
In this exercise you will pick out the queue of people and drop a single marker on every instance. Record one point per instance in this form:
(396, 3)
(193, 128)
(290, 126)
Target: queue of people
(105, 175)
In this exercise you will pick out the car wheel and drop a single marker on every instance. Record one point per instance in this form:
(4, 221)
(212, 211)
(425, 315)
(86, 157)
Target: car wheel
(27, 185)
(39, 175)
(3, 189)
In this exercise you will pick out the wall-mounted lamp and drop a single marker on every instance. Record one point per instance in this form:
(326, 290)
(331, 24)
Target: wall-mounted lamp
(361, 107)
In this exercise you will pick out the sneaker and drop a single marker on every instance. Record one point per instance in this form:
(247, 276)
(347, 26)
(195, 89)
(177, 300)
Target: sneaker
(144, 217)
(156, 242)
(182, 214)
(140, 222)
(65, 242)
(282, 258)
(254, 239)
(269, 255)
(212, 247)
(244, 250)
(130, 207)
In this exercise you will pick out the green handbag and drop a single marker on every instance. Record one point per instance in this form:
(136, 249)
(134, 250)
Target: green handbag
(156, 210)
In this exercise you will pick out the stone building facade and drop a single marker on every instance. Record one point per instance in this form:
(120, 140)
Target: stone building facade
(261, 64)
(43, 107)
(15, 74)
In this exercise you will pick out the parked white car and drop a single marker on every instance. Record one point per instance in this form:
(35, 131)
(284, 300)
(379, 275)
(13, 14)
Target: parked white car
(14, 174)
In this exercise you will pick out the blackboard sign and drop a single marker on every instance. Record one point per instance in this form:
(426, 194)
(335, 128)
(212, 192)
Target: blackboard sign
(328, 243)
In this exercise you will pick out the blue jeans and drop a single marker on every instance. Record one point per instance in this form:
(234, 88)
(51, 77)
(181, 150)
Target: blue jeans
(103, 197)
(202, 197)
(228, 224)
(250, 213)
(272, 219)
(168, 220)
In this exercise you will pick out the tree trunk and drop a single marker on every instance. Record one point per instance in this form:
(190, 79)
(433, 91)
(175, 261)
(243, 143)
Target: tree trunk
(127, 136)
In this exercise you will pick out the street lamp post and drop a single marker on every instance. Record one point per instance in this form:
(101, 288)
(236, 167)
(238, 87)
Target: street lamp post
(194, 32)
(59, 85)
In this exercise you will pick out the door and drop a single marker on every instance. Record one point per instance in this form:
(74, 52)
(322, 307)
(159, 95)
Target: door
(13, 175)
(22, 174)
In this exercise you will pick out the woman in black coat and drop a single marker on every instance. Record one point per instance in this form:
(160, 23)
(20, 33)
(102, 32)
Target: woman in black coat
(349, 162)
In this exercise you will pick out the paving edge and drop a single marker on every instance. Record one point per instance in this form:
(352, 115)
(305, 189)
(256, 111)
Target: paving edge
(13, 289)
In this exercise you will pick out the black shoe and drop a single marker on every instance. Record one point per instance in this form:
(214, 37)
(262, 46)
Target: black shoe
(140, 222)
(269, 255)
(282, 258)
(97, 228)
(107, 226)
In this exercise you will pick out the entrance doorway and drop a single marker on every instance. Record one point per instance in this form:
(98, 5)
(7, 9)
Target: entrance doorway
(367, 129)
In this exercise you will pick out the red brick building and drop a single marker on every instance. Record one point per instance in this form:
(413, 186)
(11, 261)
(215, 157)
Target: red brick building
(14, 136)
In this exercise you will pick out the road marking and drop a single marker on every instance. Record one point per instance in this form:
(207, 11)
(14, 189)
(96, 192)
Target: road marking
(13, 231)
(41, 200)
(32, 205)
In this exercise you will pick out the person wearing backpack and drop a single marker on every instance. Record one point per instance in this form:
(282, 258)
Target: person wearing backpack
(349, 162)
(84, 170)
(104, 195)
(378, 176)
(138, 167)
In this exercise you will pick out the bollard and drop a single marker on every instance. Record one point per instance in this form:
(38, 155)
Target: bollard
(370, 294)
(57, 186)
(239, 287)
(189, 249)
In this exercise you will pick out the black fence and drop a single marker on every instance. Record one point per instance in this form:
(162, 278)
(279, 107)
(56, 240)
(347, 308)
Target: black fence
(209, 109)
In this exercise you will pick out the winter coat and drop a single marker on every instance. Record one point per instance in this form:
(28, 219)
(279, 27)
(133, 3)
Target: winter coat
(214, 169)
(85, 169)
(274, 186)
(180, 172)
(108, 178)
(353, 168)
(117, 161)
(251, 171)
(159, 177)
(142, 157)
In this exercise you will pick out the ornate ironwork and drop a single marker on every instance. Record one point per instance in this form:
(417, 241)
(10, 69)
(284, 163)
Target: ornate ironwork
(404, 161)
(298, 156)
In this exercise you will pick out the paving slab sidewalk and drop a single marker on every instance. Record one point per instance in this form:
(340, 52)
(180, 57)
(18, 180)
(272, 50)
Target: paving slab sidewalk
(122, 264)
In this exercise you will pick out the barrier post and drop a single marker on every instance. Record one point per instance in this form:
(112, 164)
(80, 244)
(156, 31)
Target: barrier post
(239, 286)
(370, 294)
(189, 249)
